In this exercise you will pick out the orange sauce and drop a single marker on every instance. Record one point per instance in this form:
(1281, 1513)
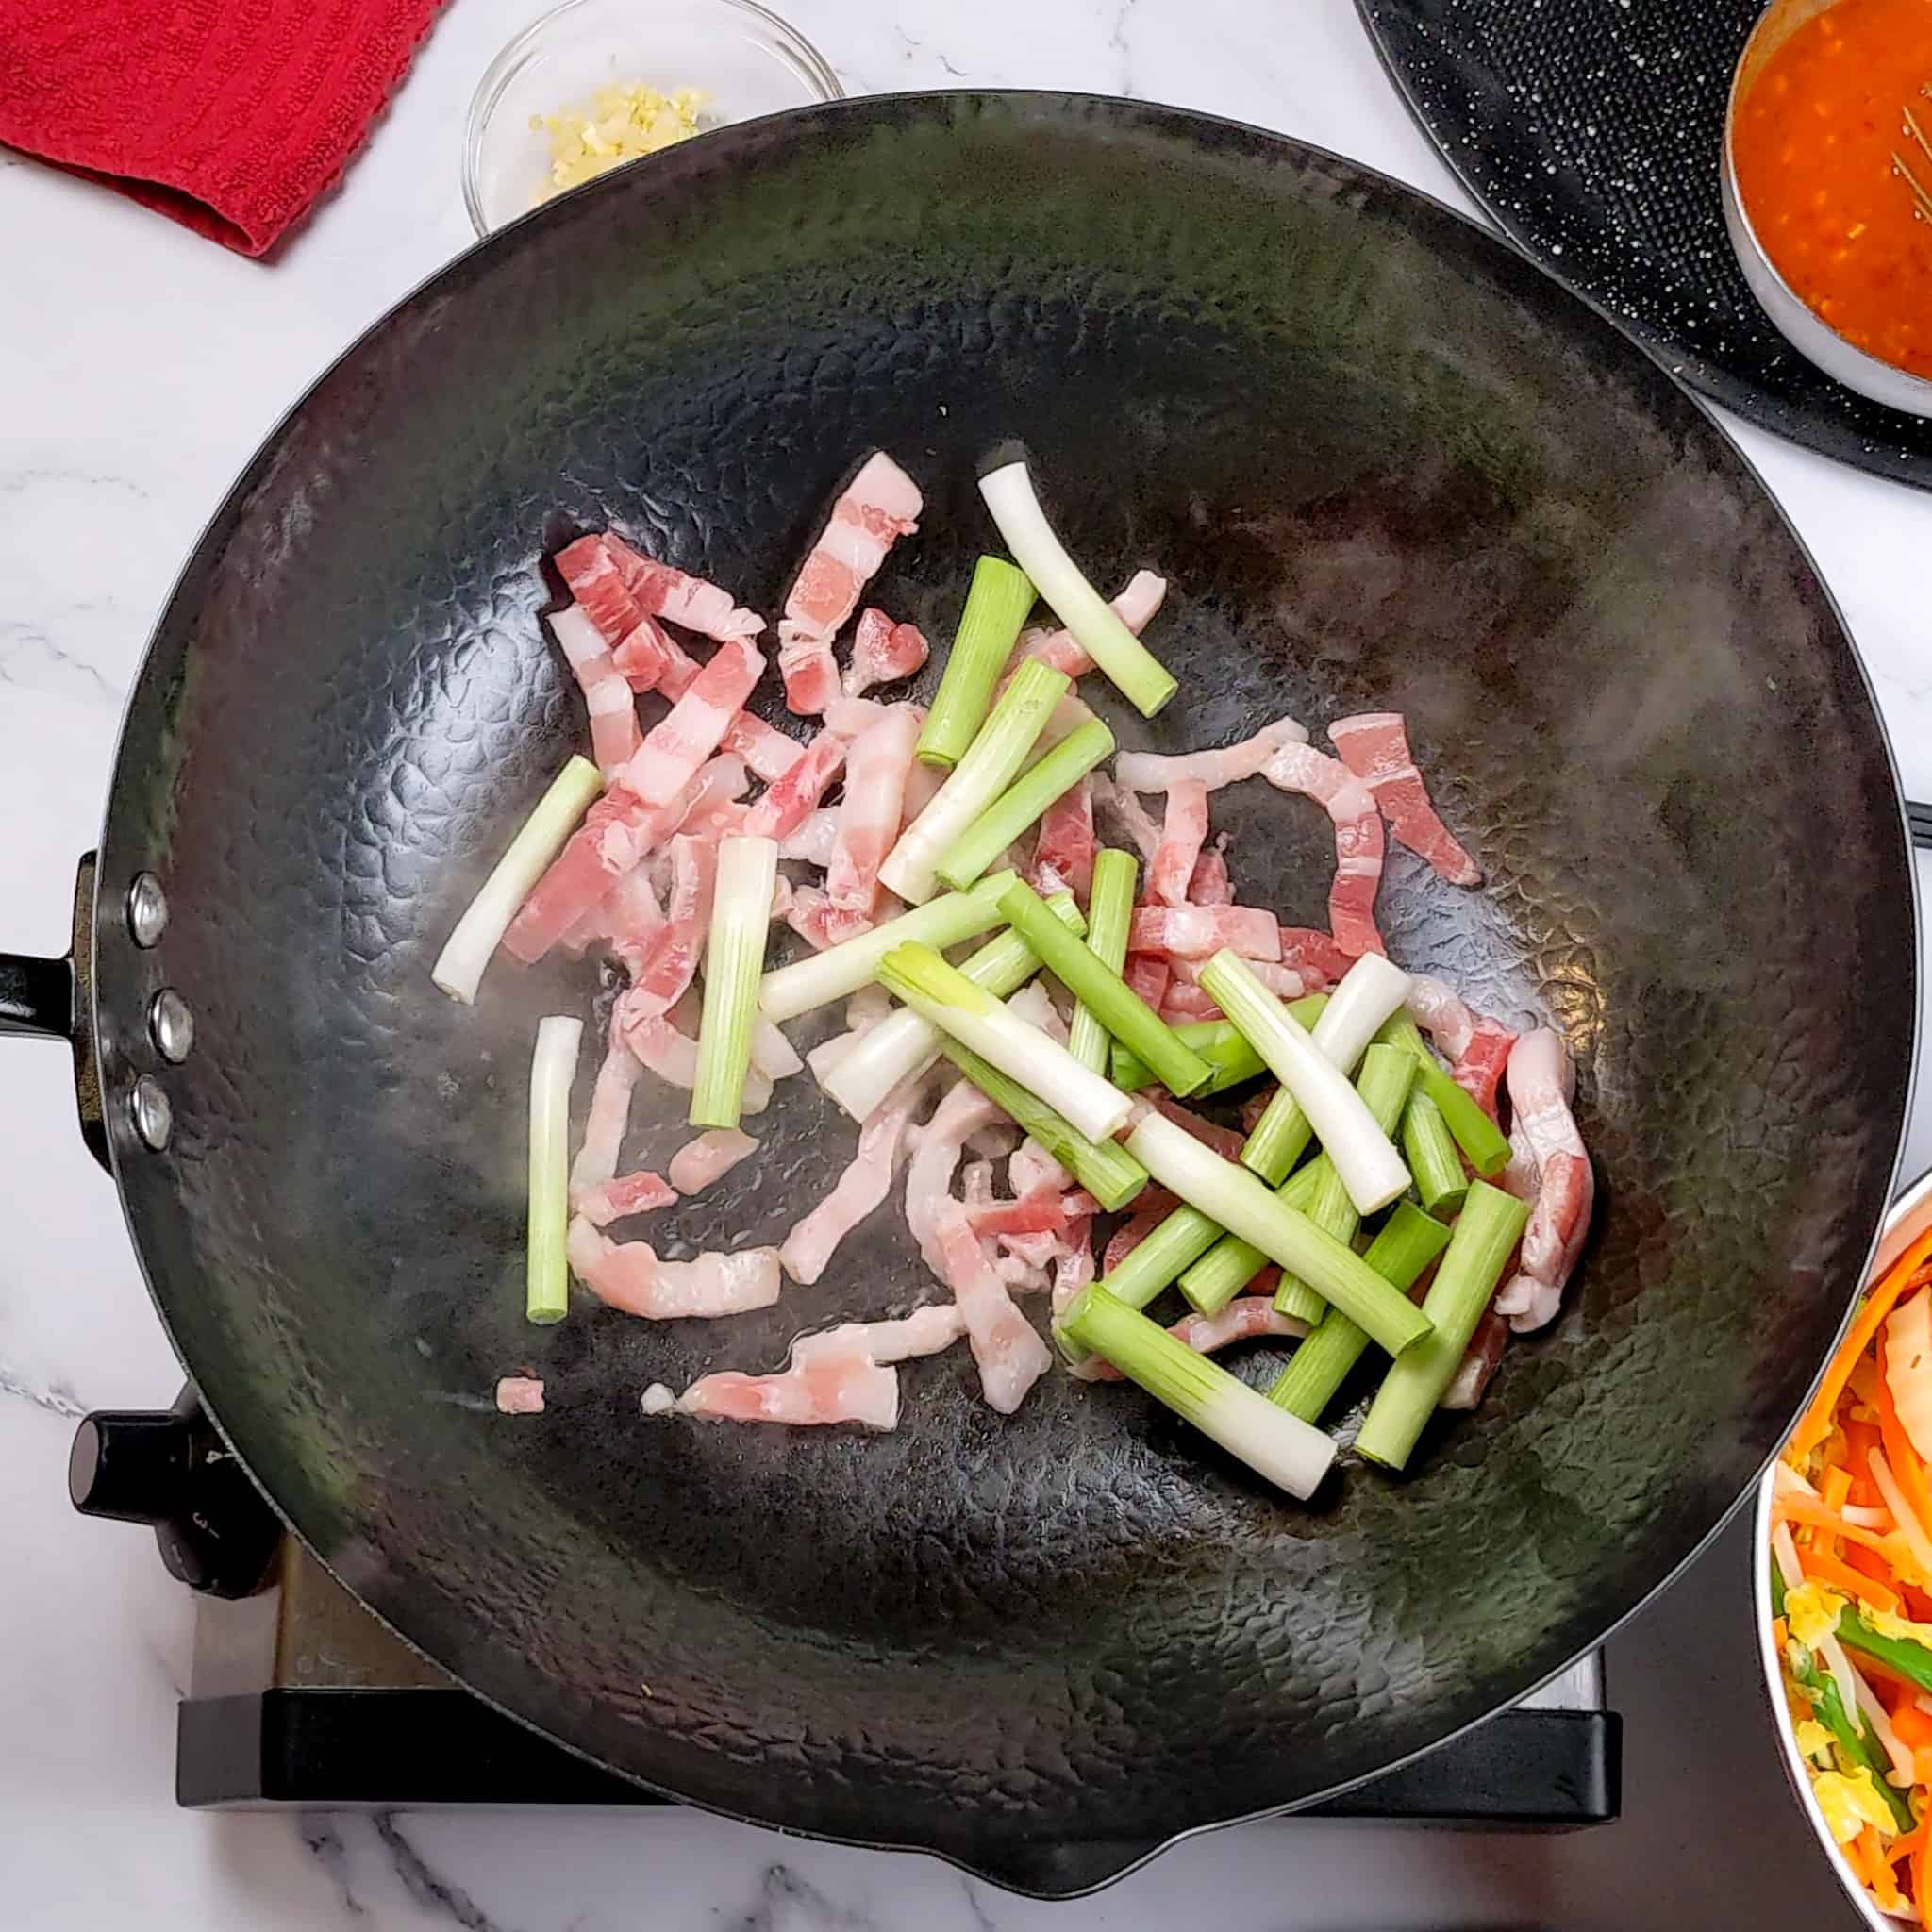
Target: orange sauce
(1813, 144)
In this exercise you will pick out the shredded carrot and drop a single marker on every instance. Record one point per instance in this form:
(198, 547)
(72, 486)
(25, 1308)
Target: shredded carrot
(1921, 1897)
(1797, 1508)
(1780, 1635)
(1883, 1883)
(1836, 1488)
(1854, 1849)
(1828, 1569)
(1903, 1459)
(1913, 1726)
(1902, 1273)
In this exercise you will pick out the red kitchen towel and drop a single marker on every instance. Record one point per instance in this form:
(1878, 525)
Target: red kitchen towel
(229, 115)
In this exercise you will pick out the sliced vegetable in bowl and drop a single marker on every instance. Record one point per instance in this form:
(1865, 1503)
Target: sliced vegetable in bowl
(1844, 1550)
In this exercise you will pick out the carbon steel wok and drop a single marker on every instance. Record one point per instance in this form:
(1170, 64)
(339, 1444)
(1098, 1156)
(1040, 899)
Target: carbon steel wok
(1385, 463)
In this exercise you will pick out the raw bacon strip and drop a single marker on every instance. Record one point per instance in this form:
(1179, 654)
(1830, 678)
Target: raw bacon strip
(960, 1115)
(1032, 1167)
(784, 806)
(1541, 1079)
(1478, 1047)
(1479, 1364)
(1375, 746)
(1283, 981)
(1316, 957)
(1128, 810)
(520, 1396)
(879, 505)
(811, 841)
(1182, 1003)
(881, 761)
(696, 726)
(667, 969)
(631, 918)
(610, 1114)
(1039, 1211)
(631, 1193)
(764, 748)
(866, 1182)
(883, 652)
(1198, 932)
(1148, 975)
(1063, 853)
(1358, 843)
(1154, 1205)
(1224, 1140)
(1135, 607)
(852, 718)
(660, 591)
(926, 1331)
(820, 1393)
(630, 1276)
(699, 1162)
(808, 915)
(1440, 1014)
(1210, 884)
(598, 586)
(1141, 771)
(1075, 1268)
(644, 656)
(771, 1054)
(617, 834)
(1480, 1070)
(1247, 1318)
(1037, 1252)
(1183, 832)
(1010, 1355)
(674, 1056)
(614, 734)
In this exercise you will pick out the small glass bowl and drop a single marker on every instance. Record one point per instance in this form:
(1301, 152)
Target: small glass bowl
(1796, 319)
(745, 61)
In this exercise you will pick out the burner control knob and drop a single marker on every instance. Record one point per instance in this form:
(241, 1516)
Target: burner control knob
(170, 1470)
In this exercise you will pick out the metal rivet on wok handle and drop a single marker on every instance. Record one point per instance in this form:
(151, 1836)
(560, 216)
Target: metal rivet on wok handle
(153, 1118)
(171, 1024)
(147, 910)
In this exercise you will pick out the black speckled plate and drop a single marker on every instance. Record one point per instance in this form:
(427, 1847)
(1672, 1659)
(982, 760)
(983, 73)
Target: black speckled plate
(1589, 130)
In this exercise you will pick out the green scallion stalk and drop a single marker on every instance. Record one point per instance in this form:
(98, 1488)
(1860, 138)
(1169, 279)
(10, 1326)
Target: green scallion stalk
(1245, 1207)
(991, 763)
(996, 606)
(1218, 1042)
(734, 958)
(1364, 1156)
(841, 971)
(1024, 803)
(903, 1044)
(552, 1066)
(1475, 1132)
(1429, 1148)
(1037, 1062)
(459, 967)
(1201, 1391)
(1489, 1227)
(1101, 989)
(1110, 913)
(1407, 1243)
(1139, 676)
(1104, 1168)
(1386, 1076)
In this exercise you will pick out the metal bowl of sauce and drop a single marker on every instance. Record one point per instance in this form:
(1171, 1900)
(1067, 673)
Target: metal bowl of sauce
(1827, 187)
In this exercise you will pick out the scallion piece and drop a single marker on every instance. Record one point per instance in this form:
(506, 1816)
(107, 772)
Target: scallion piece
(1104, 1168)
(997, 605)
(969, 1015)
(841, 971)
(991, 764)
(1364, 1156)
(904, 1044)
(1246, 1206)
(459, 967)
(1102, 991)
(1475, 1132)
(1407, 1243)
(1140, 677)
(1024, 803)
(1110, 913)
(1488, 1229)
(552, 1066)
(734, 958)
(1386, 1076)
(1218, 1042)
(1202, 1393)
(1429, 1148)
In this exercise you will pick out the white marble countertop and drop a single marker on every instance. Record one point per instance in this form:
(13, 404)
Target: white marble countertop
(139, 368)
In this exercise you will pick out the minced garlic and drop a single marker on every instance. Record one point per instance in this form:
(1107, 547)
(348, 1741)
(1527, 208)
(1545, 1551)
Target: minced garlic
(619, 126)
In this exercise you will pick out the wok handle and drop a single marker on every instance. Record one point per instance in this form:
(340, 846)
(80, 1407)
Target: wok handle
(1919, 817)
(53, 999)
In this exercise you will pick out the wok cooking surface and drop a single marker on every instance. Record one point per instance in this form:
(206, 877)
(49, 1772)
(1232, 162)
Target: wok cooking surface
(1384, 464)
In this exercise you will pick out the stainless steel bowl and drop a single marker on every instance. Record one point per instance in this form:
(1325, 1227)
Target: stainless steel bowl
(1910, 1216)
(1801, 325)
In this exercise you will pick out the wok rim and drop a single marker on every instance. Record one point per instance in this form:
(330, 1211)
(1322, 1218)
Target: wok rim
(117, 1072)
